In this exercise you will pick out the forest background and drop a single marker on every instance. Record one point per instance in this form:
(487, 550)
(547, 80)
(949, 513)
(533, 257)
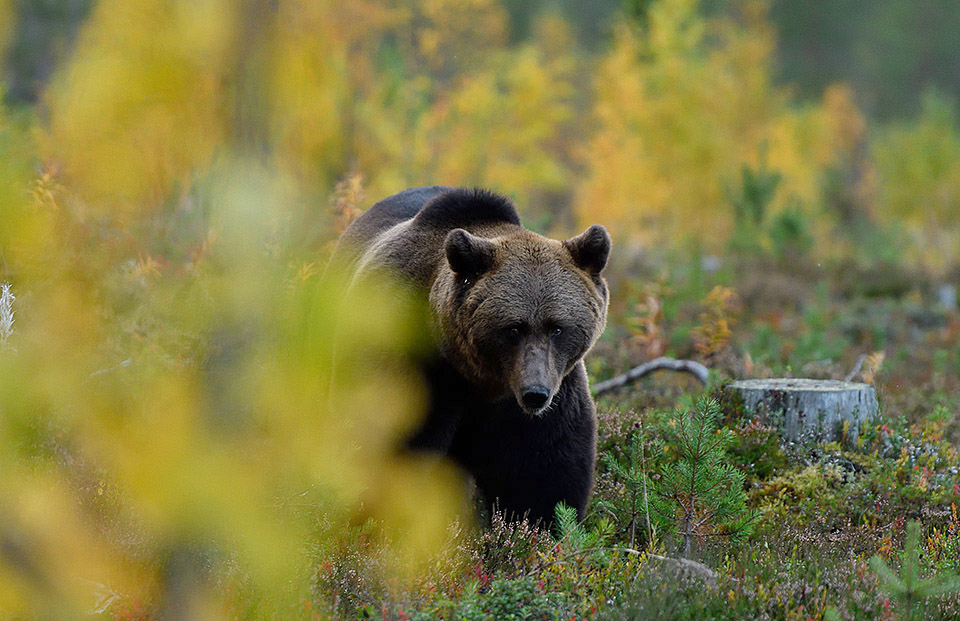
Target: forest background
(781, 181)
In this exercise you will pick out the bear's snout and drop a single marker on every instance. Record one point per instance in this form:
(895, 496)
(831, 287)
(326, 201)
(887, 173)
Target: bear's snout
(536, 379)
(535, 397)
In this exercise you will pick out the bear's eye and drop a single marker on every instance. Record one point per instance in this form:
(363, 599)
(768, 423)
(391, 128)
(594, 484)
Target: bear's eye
(556, 331)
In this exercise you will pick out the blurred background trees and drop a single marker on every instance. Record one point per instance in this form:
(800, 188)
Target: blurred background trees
(889, 51)
(593, 110)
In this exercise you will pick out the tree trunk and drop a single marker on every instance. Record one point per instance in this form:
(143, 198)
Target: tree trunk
(807, 409)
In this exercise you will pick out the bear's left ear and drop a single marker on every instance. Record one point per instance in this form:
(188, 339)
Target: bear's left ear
(590, 249)
(469, 256)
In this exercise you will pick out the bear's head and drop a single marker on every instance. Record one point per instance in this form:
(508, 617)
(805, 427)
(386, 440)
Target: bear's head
(517, 311)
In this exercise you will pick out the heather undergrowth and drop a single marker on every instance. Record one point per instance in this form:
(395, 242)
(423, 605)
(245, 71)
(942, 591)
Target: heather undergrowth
(822, 510)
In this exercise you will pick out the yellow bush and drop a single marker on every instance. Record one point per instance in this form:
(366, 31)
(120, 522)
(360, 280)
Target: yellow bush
(142, 103)
(503, 120)
(918, 179)
(681, 107)
(174, 437)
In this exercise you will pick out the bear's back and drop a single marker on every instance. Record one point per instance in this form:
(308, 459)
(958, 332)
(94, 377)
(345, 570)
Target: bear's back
(384, 215)
(465, 208)
(404, 232)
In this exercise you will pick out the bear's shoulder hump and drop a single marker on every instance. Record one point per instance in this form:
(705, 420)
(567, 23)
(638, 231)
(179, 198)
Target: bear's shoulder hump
(462, 207)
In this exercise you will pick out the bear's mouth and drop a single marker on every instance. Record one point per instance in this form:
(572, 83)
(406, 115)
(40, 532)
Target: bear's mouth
(537, 413)
(535, 409)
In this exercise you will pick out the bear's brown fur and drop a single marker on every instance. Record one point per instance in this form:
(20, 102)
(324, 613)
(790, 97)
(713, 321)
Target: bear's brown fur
(514, 313)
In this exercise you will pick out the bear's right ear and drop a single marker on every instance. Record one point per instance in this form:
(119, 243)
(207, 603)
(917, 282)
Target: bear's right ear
(590, 249)
(469, 256)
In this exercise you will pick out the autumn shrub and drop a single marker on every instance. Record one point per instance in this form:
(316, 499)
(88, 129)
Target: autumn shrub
(519, 599)
(194, 417)
(888, 471)
(507, 548)
(910, 589)
(173, 437)
(755, 449)
(918, 176)
(943, 543)
(690, 97)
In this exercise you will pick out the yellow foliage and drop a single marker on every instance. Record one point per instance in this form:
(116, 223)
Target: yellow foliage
(804, 143)
(142, 103)
(681, 107)
(172, 362)
(198, 456)
(308, 89)
(872, 366)
(183, 399)
(346, 196)
(452, 34)
(498, 128)
(713, 331)
(503, 120)
(670, 109)
(918, 179)
(645, 322)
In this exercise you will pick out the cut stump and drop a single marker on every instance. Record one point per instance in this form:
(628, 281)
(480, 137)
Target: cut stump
(808, 409)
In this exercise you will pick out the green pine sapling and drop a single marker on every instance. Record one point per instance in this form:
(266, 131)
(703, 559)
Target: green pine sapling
(758, 188)
(632, 471)
(576, 538)
(695, 494)
(908, 589)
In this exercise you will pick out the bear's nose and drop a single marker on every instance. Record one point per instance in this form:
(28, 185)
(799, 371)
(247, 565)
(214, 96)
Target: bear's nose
(535, 397)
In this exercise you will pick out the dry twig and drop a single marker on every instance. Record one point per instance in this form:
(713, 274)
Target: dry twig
(688, 366)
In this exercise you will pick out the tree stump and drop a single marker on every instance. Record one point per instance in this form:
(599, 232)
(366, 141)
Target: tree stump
(808, 409)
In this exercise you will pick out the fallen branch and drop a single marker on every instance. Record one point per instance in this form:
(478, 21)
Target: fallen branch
(672, 364)
(856, 369)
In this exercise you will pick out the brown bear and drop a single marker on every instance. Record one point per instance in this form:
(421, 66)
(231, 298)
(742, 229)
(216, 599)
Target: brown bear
(513, 314)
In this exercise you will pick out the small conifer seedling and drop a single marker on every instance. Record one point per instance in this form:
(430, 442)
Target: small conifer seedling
(696, 494)
(908, 589)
